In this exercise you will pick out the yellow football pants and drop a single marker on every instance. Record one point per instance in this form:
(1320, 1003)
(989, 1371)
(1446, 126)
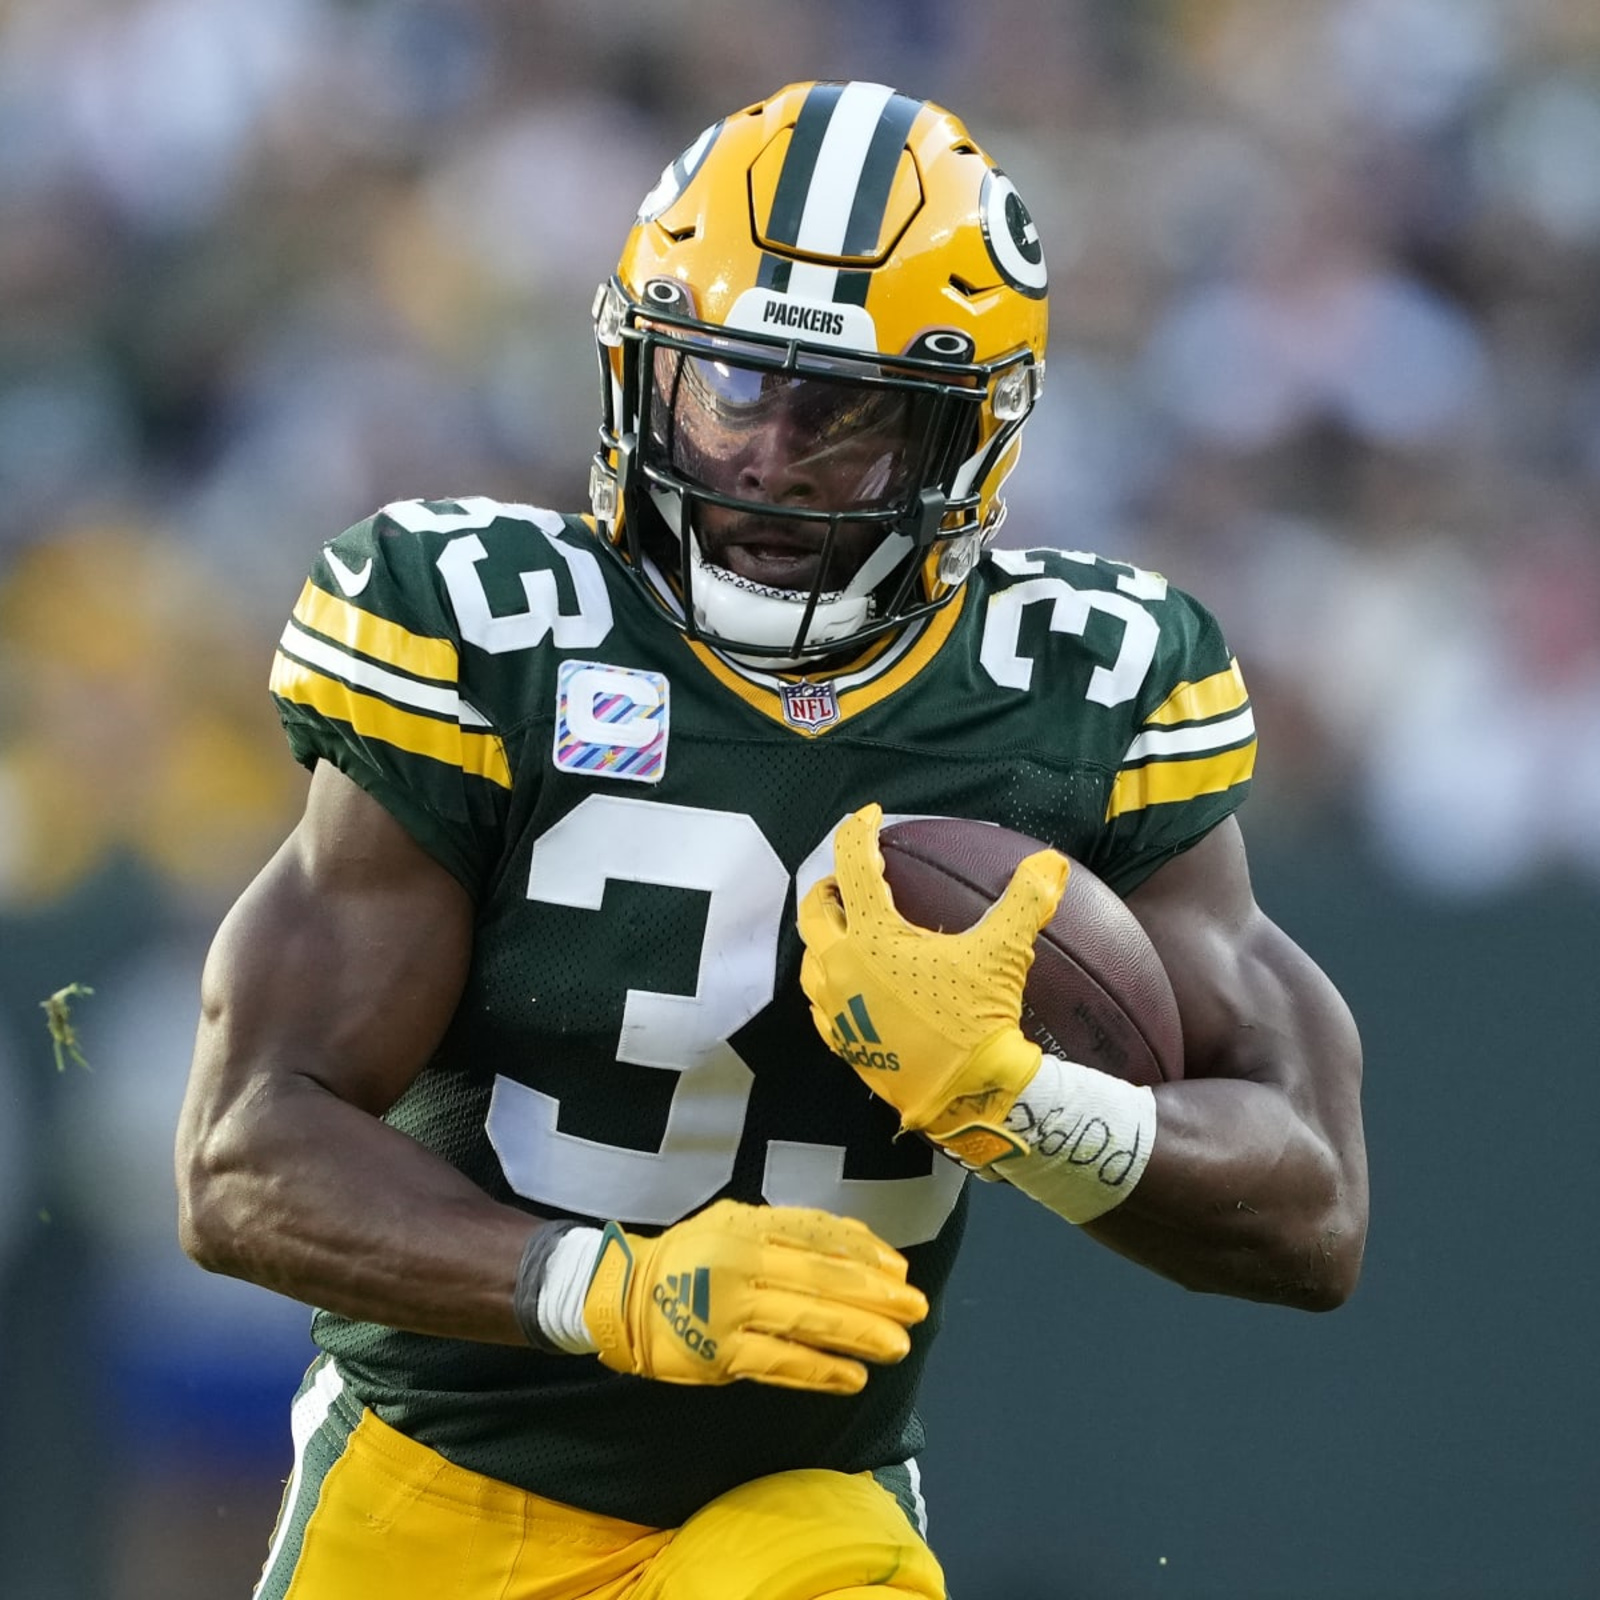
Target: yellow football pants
(393, 1520)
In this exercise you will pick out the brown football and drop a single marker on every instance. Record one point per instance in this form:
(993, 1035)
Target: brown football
(1097, 991)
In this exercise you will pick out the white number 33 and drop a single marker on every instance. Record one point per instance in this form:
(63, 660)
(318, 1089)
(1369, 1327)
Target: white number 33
(726, 856)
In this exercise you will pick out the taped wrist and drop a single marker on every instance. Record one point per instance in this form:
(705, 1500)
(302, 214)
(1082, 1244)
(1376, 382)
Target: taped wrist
(1087, 1138)
(552, 1279)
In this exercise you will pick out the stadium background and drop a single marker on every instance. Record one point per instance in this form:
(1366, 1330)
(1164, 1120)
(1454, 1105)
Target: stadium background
(1326, 349)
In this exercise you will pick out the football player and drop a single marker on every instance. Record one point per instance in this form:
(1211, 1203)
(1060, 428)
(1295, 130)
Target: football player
(624, 1280)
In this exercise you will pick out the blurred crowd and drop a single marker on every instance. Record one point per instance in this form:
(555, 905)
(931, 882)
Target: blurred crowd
(1325, 350)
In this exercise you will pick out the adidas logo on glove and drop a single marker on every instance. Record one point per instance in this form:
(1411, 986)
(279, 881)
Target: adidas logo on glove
(853, 1042)
(684, 1299)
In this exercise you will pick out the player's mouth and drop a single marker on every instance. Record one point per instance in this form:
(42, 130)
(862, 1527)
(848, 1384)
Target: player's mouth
(778, 558)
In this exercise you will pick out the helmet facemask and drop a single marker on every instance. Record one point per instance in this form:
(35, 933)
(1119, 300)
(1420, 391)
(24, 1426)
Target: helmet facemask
(803, 489)
(793, 498)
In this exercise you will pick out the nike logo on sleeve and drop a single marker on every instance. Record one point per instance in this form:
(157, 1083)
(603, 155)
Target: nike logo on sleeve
(351, 579)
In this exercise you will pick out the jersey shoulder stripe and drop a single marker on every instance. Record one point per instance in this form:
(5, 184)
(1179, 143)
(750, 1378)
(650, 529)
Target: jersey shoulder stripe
(353, 628)
(339, 661)
(1200, 740)
(1222, 692)
(1171, 782)
(482, 755)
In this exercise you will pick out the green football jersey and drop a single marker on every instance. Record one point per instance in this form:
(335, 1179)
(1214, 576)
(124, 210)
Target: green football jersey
(634, 816)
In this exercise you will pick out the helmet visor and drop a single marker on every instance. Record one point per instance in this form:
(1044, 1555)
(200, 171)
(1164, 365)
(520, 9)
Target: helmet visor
(825, 443)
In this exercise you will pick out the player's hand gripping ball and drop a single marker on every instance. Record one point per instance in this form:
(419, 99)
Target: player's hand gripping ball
(929, 1020)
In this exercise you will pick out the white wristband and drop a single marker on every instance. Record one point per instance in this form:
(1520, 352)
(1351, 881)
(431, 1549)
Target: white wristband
(563, 1289)
(1089, 1136)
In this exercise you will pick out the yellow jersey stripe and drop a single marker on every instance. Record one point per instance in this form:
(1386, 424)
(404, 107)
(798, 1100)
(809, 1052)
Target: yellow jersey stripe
(870, 652)
(753, 694)
(360, 673)
(372, 636)
(1164, 782)
(940, 626)
(482, 754)
(1210, 697)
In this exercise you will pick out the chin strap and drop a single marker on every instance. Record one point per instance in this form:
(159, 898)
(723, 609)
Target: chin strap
(880, 564)
(742, 611)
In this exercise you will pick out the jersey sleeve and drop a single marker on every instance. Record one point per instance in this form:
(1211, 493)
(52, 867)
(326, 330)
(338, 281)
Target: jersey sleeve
(1191, 750)
(367, 676)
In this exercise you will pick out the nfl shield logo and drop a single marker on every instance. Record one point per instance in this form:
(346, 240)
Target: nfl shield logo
(811, 706)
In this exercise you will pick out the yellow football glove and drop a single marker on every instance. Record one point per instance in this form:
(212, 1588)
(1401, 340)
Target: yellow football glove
(929, 1020)
(781, 1294)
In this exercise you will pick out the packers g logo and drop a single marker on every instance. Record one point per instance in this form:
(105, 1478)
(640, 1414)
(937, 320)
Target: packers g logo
(1012, 238)
(678, 176)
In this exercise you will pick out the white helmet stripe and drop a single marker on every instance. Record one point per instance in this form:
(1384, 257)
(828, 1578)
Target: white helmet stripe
(837, 173)
(811, 280)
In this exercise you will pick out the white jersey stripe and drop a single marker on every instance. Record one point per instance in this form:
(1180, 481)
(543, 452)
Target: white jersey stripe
(1188, 741)
(366, 675)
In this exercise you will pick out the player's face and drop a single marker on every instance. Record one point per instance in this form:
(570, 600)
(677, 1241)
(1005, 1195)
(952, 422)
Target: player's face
(796, 443)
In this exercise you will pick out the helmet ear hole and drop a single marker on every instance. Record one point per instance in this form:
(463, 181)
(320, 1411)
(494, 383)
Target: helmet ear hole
(667, 294)
(943, 344)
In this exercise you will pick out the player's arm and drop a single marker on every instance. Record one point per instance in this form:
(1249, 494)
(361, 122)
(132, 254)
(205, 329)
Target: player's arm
(1249, 1180)
(328, 988)
(1256, 1183)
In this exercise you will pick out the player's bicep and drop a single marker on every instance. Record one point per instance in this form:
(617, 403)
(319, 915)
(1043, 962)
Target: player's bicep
(1257, 1182)
(1254, 1005)
(341, 963)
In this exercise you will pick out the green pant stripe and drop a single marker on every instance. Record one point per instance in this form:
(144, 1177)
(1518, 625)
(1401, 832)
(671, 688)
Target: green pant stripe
(320, 1429)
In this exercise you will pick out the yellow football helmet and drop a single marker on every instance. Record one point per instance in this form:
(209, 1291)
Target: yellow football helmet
(817, 353)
